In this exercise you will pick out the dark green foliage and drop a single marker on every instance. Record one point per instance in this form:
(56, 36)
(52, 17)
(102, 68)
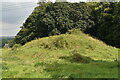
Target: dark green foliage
(107, 23)
(10, 43)
(54, 19)
(101, 20)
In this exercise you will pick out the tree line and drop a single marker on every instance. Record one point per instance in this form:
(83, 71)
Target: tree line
(101, 20)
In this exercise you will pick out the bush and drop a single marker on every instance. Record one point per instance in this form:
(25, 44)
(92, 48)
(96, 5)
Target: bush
(60, 42)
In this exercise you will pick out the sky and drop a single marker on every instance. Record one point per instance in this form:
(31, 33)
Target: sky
(14, 13)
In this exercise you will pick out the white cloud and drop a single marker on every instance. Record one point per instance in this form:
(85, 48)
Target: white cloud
(39, 0)
(19, 0)
(9, 29)
(13, 16)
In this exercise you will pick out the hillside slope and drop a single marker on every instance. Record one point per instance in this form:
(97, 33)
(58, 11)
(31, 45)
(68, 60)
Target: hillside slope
(72, 55)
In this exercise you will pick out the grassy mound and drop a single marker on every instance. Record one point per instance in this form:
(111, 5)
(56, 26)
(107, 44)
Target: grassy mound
(71, 55)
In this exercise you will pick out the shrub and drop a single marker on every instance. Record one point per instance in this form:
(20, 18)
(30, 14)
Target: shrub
(60, 42)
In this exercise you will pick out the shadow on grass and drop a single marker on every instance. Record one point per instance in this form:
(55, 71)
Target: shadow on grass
(90, 70)
(77, 58)
(82, 67)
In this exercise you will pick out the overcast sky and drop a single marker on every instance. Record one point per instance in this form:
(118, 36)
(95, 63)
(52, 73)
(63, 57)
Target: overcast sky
(13, 16)
(14, 13)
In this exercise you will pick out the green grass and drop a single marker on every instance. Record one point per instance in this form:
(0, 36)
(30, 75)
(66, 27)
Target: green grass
(73, 55)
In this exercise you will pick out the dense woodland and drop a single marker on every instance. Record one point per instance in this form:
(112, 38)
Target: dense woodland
(101, 20)
(107, 23)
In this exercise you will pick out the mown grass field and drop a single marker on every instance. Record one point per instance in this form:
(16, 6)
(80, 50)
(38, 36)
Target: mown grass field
(72, 55)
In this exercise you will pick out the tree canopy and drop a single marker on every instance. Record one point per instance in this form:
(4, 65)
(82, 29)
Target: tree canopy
(107, 23)
(101, 20)
(53, 19)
